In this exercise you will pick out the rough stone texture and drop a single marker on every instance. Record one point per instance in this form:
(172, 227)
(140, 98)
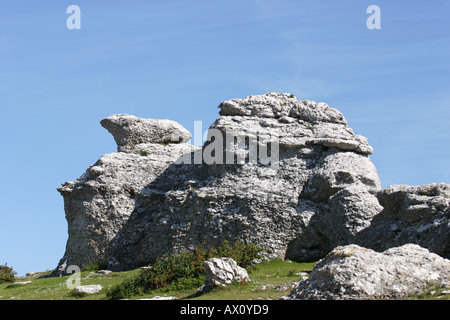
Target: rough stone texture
(224, 271)
(352, 272)
(99, 204)
(412, 214)
(338, 202)
(299, 123)
(129, 131)
(154, 197)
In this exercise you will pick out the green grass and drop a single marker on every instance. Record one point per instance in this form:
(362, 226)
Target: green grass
(433, 291)
(56, 288)
(264, 279)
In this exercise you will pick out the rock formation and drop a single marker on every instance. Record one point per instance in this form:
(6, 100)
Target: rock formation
(353, 272)
(289, 175)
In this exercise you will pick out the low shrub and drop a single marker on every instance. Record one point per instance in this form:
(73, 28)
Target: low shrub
(6, 274)
(244, 255)
(93, 267)
(182, 271)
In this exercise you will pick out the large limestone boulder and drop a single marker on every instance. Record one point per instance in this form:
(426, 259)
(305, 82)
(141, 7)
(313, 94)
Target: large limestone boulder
(298, 183)
(352, 273)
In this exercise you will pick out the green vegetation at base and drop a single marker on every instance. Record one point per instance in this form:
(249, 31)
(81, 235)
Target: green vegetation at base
(183, 271)
(93, 267)
(266, 278)
(270, 279)
(433, 291)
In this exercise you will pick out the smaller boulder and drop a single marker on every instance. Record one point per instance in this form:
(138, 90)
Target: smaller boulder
(223, 271)
(356, 273)
(93, 288)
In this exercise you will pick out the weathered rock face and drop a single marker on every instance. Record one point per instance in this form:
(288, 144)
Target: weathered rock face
(299, 183)
(411, 214)
(101, 202)
(353, 272)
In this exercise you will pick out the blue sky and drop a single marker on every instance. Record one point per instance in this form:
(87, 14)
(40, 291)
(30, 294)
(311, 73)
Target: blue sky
(178, 60)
